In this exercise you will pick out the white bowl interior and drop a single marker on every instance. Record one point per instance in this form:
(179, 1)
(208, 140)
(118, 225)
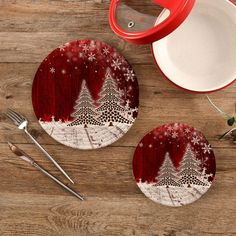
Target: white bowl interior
(200, 55)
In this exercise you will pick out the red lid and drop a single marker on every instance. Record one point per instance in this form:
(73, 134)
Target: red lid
(136, 21)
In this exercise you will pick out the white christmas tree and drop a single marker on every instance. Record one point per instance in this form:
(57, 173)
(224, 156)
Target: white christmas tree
(190, 171)
(85, 110)
(111, 107)
(167, 175)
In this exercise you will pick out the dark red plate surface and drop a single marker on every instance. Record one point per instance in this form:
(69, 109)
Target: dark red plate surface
(85, 94)
(174, 165)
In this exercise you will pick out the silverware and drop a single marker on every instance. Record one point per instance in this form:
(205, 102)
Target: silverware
(24, 156)
(22, 123)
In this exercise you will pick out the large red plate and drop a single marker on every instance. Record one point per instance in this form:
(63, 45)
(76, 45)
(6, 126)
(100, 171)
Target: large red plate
(85, 94)
(174, 165)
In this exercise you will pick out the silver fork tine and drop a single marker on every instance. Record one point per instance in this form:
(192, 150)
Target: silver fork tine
(9, 112)
(21, 118)
(12, 118)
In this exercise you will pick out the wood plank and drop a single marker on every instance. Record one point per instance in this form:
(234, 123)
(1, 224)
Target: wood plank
(28, 47)
(66, 216)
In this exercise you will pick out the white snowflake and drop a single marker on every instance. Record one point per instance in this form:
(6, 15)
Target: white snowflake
(63, 71)
(116, 64)
(204, 161)
(92, 44)
(150, 146)
(187, 130)
(166, 134)
(91, 56)
(121, 92)
(141, 145)
(170, 128)
(174, 135)
(62, 47)
(85, 48)
(130, 75)
(176, 126)
(195, 140)
(52, 70)
(207, 148)
(106, 51)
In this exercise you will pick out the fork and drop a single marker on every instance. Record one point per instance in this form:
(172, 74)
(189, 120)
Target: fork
(22, 123)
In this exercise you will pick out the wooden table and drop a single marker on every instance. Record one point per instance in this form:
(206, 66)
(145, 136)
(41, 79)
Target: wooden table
(30, 204)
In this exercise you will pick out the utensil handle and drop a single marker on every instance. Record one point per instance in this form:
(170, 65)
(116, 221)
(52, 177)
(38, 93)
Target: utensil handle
(57, 181)
(49, 156)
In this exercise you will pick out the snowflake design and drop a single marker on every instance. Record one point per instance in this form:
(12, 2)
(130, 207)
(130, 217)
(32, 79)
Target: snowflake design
(204, 161)
(174, 135)
(141, 145)
(169, 128)
(63, 72)
(116, 64)
(52, 70)
(85, 48)
(195, 140)
(106, 51)
(130, 75)
(176, 126)
(122, 92)
(207, 148)
(130, 88)
(187, 130)
(166, 134)
(150, 146)
(91, 57)
(92, 44)
(62, 47)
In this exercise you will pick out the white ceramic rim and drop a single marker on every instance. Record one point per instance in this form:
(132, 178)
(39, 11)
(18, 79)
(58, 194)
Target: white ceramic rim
(168, 68)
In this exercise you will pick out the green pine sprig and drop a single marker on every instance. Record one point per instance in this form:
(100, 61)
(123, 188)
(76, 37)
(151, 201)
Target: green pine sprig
(231, 120)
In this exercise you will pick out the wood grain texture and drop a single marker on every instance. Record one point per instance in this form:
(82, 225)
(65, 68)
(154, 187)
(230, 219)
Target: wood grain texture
(30, 204)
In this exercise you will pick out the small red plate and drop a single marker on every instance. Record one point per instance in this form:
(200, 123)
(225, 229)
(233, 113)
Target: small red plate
(85, 94)
(174, 165)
